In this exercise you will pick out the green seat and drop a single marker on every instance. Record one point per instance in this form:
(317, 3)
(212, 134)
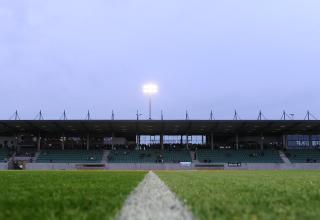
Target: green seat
(239, 156)
(149, 156)
(70, 156)
(303, 155)
(3, 155)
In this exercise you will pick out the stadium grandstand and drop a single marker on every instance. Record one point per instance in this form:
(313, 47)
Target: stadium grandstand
(183, 143)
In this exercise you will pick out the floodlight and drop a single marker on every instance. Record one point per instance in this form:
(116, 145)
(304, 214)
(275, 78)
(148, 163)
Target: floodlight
(150, 89)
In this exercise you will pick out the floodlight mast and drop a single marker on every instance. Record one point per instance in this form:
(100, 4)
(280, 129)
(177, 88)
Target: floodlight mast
(150, 108)
(150, 90)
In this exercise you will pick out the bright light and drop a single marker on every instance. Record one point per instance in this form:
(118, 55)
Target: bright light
(150, 89)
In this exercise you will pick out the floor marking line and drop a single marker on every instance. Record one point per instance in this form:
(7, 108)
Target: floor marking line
(153, 200)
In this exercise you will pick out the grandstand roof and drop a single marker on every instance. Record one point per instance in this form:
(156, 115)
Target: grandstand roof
(152, 127)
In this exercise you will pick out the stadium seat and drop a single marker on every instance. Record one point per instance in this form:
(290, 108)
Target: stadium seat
(238, 156)
(303, 155)
(3, 155)
(70, 156)
(149, 156)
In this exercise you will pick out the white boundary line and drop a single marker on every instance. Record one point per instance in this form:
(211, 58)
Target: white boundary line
(153, 200)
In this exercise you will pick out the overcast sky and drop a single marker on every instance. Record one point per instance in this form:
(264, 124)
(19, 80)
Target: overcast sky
(206, 54)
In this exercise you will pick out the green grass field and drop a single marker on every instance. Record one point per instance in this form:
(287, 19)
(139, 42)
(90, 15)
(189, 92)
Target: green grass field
(209, 195)
(248, 194)
(64, 195)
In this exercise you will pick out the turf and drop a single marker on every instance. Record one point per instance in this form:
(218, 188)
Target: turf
(248, 194)
(64, 195)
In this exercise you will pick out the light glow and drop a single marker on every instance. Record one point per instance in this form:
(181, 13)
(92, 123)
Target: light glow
(150, 89)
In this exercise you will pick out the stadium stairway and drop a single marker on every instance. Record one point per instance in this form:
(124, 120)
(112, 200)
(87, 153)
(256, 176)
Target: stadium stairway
(193, 157)
(284, 157)
(36, 155)
(105, 156)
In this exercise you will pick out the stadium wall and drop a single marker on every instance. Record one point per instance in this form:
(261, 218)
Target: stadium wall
(50, 166)
(116, 166)
(150, 166)
(275, 166)
(3, 166)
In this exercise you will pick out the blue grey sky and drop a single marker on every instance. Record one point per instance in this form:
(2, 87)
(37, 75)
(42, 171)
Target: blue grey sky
(206, 54)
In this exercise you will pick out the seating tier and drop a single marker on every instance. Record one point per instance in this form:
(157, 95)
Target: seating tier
(239, 156)
(303, 155)
(3, 155)
(149, 156)
(70, 156)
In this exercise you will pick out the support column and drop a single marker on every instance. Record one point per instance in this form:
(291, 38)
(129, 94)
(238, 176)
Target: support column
(284, 141)
(161, 142)
(112, 137)
(237, 141)
(262, 142)
(39, 143)
(15, 145)
(187, 144)
(88, 141)
(137, 142)
(181, 140)
(310, 141)
(62, 141)
(211, 140)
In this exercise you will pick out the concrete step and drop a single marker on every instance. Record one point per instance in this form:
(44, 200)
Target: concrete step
(36, 155)
(192, 155)
(284, 157)
(105, 156)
